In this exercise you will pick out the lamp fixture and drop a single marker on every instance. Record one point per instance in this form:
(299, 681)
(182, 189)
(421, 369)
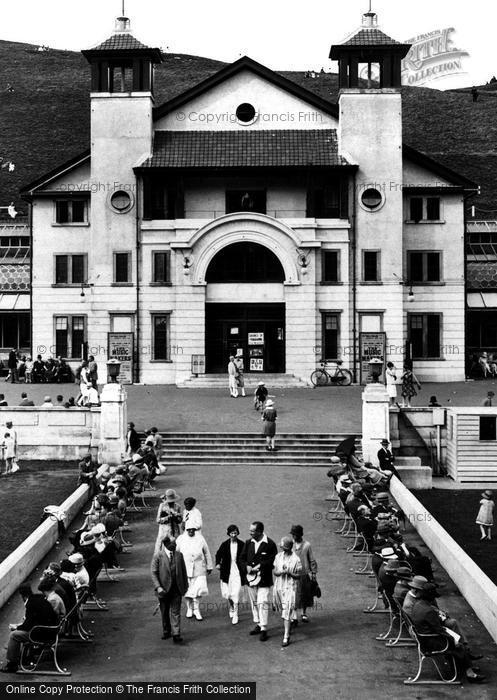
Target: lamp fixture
(303, 261)
(82, 294)
(406, 283)
(187, 263)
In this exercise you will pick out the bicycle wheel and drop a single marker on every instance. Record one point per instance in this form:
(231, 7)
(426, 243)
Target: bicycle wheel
(344, 378)
(319, 377)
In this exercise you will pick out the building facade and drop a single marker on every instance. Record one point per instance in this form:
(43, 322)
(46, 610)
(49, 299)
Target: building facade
(248, 215)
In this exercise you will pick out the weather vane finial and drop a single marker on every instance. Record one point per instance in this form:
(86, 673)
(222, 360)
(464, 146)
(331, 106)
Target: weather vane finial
(123, 15)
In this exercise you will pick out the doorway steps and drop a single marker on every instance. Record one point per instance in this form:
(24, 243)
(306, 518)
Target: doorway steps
(220, 381)
(248, 449)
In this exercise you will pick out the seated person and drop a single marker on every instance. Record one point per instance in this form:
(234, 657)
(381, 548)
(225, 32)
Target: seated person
(426, 620)
(366, 525)
(403, 576)
(47, 587)
(38, 611)
(64, 372)
(355, 499)
(81, 576)
(50, 370)
(138, 471)
(260, 396)
(38, 374)
(63, 587)
(88, 474)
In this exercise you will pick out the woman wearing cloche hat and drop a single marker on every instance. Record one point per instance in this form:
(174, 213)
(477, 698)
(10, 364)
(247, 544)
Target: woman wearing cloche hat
(269, 416)
(168, 517)
(485, 517)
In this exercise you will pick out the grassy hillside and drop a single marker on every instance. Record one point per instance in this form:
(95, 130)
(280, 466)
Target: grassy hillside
(45, 121)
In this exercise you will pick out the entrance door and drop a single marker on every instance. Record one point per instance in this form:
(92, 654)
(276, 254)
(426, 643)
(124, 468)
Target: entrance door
(256, 330)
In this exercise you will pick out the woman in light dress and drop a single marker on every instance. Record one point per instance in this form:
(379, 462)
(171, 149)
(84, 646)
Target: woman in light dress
(231, 572)
(287, 570)
(168, 517)
(198, 562)
(485, 517)
(84, 384)
(391, 382)
(303, 550)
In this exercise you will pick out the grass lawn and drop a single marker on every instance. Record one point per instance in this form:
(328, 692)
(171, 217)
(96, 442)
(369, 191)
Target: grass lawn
(456, 511)
(24, 495)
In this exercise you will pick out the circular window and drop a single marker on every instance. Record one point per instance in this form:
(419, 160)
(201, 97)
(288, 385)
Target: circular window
(121, 201)
(371, 199)
(245, 113)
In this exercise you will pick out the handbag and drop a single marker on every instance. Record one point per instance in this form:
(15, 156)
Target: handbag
(314, 588)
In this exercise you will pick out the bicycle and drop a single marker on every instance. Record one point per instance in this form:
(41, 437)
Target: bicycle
(321, 377)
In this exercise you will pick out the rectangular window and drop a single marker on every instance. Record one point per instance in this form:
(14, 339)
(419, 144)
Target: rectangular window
(424, 335)
(330, 336)
(71, 211)
(245, 200)
(162, 198)
(424, 266)
(424, 209)
(371, 266)
(160, 337)
(330, 260)
(70, 336)
(71, 269)
(488, 428)
(122, 268)
(161, 267)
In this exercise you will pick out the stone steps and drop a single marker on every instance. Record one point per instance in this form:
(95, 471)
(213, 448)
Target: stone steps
(248, 449)
(220, 381)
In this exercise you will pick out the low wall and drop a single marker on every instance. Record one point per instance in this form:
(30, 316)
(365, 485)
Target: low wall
(53, 433)
(479, 591)
(19, 565)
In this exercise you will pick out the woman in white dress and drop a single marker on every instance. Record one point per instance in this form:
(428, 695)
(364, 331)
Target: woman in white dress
(168, 517)
(84, 384)
(231, 573)
(198, 562)
(287, 570)
(391, 382)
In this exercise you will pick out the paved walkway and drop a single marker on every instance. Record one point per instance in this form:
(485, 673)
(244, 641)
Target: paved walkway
(335, 656)
(323, 410)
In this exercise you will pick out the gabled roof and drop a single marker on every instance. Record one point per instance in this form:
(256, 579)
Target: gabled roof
(437, 168)
(29, 189)
(275, 148)
(246, 63)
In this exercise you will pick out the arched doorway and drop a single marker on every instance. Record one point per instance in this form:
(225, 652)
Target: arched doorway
(244, 325)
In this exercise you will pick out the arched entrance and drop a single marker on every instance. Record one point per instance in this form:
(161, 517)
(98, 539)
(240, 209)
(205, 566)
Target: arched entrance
(250, 323)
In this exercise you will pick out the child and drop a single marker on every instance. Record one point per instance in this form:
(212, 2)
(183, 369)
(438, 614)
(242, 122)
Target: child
(9, 452)
(485, 517)
(28, 372)
(260, 396)
(409, 379)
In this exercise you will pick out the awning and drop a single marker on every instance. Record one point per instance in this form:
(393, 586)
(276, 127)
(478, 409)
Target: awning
(482, 300)
(14, 302)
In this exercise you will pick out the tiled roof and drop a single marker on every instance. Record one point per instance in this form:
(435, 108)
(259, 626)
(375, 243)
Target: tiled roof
(370, 37)
(245, 149)
(120, 42)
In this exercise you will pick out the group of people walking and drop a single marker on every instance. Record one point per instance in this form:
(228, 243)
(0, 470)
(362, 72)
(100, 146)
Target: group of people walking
(250, 569)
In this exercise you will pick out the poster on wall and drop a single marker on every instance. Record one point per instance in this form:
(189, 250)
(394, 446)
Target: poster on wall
(256, 364)
(120, 346)
(256, 338)
(371, 345)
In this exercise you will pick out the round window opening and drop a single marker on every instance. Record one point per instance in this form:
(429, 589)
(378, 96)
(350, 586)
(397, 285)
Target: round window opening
(121, 202)
(245, 113)
(371, 199)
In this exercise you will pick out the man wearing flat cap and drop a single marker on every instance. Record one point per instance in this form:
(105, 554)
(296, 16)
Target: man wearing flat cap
(170, 581)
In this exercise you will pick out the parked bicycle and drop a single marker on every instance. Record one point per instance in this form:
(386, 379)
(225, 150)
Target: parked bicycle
(321, 377)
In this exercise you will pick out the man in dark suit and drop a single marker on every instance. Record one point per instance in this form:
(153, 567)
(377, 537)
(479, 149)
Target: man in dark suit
(386, 458)
(38, 612)
(170, 581)
(257, 556)
(25, 401)
(133, 442)
(12, 365)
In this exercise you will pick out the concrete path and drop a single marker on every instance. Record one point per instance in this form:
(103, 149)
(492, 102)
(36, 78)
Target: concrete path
(335, 656)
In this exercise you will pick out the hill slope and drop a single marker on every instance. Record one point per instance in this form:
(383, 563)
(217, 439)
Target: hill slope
(45, 120)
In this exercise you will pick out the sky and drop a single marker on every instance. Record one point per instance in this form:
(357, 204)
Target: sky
(280, 34)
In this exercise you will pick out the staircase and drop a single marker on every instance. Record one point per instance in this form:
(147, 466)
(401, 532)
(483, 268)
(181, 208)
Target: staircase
(220, 381)
(248, 449)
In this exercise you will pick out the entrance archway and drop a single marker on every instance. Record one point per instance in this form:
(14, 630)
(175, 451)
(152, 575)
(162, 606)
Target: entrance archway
(241, 327)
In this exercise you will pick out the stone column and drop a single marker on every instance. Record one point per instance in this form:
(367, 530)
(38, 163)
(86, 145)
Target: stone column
(375, 420)
(113, 424)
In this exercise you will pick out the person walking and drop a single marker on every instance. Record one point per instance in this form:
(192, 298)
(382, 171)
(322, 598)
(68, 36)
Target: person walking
(485, 517)
(231, 572)
(302, 548)
(132, 440)
(288, 572)
(391, 382)
(93, 371)
(170, 582)
(198, 561)
(240, 381)
(257, 558)
(269, 416)
(191, 513)
(84, 384)
(168, 517)
(489, 400)
(260, 396)
(409, 379)
(232, 373)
